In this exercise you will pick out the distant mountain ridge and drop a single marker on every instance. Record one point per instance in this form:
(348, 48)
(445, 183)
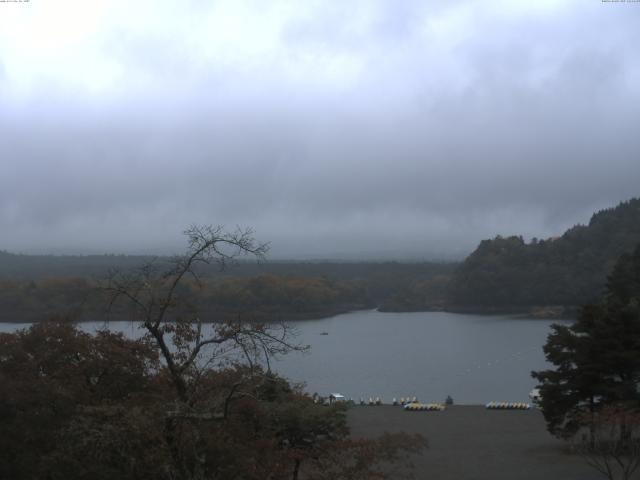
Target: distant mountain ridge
(508, 273)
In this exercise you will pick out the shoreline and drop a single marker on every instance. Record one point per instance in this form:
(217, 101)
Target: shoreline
(544, 312)
(219, 317)
(325, 314)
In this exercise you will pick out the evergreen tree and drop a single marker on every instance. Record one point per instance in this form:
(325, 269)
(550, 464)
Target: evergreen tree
(569, 270)
(597, 359)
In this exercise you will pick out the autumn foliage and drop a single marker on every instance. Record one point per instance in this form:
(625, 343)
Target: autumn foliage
(80, 406)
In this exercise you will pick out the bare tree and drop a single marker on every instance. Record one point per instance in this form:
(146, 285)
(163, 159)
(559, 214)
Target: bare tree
(189, 347)
(612, 446)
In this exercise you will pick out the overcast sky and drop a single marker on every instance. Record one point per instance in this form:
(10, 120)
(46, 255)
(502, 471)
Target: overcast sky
(403, 129)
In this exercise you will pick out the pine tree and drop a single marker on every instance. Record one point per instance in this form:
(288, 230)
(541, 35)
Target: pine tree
(597, 359)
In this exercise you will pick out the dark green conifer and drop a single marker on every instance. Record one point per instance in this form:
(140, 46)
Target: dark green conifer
(597, 359)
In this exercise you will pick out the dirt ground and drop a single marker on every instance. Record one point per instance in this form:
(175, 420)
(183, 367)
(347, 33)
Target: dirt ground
(470, 442)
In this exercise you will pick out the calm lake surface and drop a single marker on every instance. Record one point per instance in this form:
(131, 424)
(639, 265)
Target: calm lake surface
(473, 358)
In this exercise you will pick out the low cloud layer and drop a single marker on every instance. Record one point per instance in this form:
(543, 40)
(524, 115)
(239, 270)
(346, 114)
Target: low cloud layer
(333, 130)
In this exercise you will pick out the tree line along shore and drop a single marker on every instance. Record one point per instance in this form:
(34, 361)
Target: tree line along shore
(546, 278)
(172, 405)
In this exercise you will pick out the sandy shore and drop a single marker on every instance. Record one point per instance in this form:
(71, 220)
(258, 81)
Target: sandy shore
(470, 442)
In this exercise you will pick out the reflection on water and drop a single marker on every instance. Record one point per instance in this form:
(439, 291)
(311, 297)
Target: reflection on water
(473, 358)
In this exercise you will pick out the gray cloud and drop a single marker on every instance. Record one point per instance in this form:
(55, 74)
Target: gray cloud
(354, 130)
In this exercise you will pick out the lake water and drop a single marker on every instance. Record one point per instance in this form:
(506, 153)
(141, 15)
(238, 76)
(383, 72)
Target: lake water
(473, 358)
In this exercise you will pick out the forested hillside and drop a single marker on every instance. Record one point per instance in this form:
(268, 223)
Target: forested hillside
(34, 288)
(570, 270)
(503, 274)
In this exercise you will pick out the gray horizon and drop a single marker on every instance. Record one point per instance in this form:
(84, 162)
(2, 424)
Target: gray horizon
(360, 131)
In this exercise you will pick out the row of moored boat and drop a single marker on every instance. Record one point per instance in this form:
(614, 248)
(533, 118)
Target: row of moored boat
(508, 406)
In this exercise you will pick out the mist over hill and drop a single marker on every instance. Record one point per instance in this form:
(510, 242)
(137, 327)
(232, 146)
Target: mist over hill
(568, 270)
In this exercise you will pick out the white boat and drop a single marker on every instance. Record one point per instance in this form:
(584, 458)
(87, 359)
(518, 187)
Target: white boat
(336, 397)
(534, 395)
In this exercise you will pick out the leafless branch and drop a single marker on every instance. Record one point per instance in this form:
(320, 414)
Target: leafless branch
(153, 293)
(613, 444)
